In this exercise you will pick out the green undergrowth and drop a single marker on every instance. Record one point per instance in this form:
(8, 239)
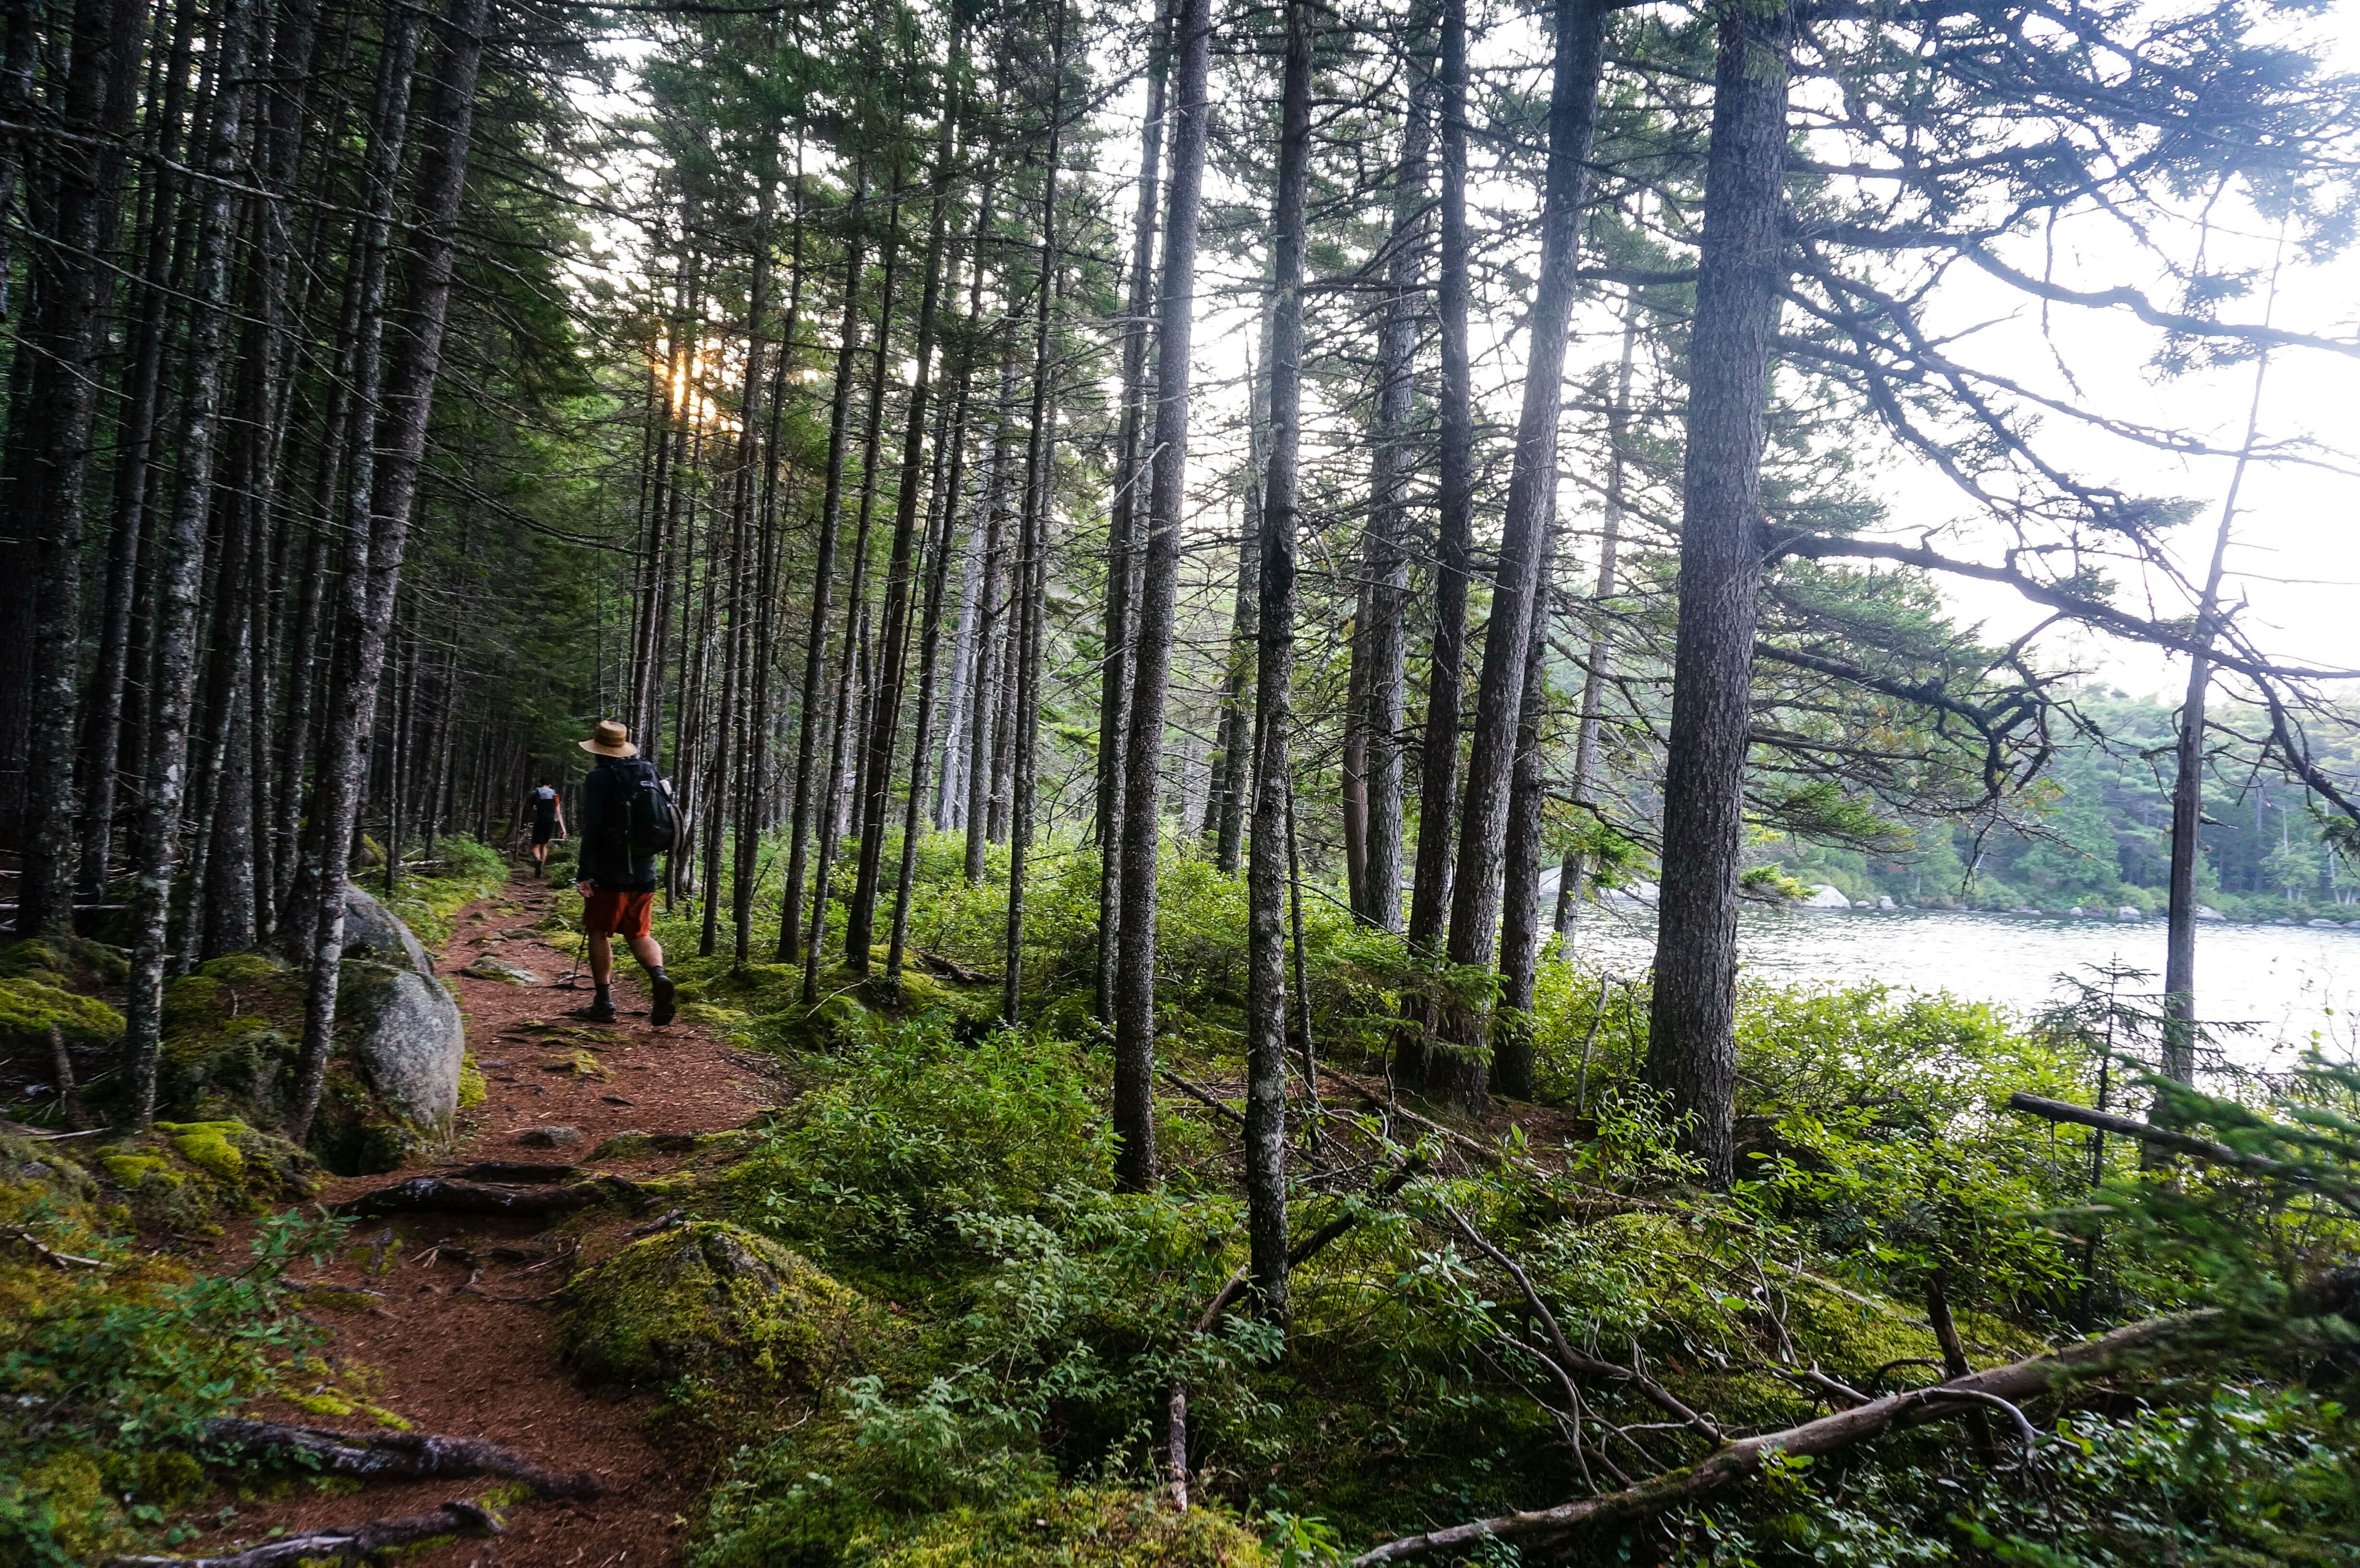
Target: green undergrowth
(1029, 1323)
(465, 871)
(113, 1356)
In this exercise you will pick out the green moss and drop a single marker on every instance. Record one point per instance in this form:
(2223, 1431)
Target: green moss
(1078, 1527)
(244, 968)
(134, 1173)
(209, 1146)
(187, 1175)
(473, 1088)
(715, 1305)
(73, 963)
(193, 999)
(30, 1008)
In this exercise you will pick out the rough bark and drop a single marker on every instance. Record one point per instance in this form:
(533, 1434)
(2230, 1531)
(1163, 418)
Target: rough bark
(75, 281)
(1524, 542)
(1439, 762)
(1134, 1087)
(1692, 1045)
(900, 573)
(1122, 522)
(1387, 559)
(1267, 879)
(831, 516)
(1031, 556)
(390, 499)
(181, 569)
(1520, 911)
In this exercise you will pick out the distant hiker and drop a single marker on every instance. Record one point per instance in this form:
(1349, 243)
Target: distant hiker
(627, 822)
(548, 823)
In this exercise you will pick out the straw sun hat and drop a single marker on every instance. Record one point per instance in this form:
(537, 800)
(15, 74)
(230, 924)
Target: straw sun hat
(610, 739)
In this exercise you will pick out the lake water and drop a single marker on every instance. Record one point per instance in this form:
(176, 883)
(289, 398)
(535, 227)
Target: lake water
(2294, 984)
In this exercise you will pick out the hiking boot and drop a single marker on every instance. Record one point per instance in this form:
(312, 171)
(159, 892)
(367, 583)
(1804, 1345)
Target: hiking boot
(601, 1010)
(665, 992)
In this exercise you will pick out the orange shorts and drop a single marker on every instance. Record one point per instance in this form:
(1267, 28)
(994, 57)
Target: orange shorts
(620, 914)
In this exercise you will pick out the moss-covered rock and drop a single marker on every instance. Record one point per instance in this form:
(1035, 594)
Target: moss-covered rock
(714, 1305)
(74, 963)
(1078, 1527)
(187, 1175)
(30, 1008)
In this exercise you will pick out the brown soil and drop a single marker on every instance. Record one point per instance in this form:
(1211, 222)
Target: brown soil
(470, 1351)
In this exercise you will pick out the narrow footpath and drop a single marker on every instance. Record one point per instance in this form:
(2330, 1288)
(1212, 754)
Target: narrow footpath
(448, 1322)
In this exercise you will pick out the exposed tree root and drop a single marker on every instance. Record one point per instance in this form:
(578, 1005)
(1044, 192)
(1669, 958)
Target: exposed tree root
(446, 1196)
(343, 1545)
(392, 1455)
(512, 1172)
(2000, 1387)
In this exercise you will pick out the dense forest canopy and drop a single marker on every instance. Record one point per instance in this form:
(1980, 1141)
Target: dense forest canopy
(1186, 518)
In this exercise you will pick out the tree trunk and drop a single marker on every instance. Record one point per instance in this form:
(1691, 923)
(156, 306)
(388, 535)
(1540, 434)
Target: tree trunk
(1031, 556)
(1454, 541)
(1134, 1089)
(1571, 872)
(181, 566)
(1692, 1044)
(1387, 558)
(75, 282)
(1232, 794)
(1268, 878)
(2180, 1026)
(950, 472)
(1520, 913)
(984, 723)
(1524, 543)
(1122, 524)
(130, 555)
(885, 717)
(409, 403)
(831, 514)
(856, 617)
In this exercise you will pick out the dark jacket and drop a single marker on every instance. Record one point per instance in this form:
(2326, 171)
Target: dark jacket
(606, 862)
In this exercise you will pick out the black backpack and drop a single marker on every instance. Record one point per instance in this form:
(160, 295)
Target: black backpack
(650, 826)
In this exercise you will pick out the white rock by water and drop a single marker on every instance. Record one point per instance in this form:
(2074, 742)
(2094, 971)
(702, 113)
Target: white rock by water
(1825, 896)
(2129, 912)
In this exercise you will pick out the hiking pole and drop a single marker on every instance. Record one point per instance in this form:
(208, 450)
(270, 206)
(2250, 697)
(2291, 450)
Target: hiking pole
(573, 980)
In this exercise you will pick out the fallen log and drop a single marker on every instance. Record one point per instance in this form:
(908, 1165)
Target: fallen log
(1743, 1459)
(2184, 1143)
(445, 1195)
(341, 1545)
(390, 1456)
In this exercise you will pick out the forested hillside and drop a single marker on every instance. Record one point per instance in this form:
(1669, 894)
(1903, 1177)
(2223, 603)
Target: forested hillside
(1138, 538)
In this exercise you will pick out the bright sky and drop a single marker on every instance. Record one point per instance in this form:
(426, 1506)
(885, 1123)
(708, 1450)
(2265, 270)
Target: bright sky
(2296, 560)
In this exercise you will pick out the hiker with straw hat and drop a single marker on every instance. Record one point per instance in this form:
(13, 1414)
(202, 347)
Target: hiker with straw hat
(627, 820)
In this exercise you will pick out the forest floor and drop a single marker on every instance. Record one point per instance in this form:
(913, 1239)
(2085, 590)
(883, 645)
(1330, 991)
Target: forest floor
(462, 1344)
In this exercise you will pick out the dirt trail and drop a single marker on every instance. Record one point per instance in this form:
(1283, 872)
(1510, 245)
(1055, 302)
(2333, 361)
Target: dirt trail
(447, 1354)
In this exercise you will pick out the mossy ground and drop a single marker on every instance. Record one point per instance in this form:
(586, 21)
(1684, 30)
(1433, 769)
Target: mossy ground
(714, 1312)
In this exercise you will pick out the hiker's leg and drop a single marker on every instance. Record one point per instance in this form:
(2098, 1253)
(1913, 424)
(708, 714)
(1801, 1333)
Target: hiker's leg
(602, 957)
(661, 989)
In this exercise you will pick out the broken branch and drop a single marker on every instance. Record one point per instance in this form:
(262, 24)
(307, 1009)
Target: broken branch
(1744, 1460)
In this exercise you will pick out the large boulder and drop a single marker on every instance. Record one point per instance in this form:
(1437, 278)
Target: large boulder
(407, 1041)
(373, 932)
(394, 1090)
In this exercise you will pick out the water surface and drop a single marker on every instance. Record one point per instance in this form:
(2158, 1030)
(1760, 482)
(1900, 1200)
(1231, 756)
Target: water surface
(2292, 984)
